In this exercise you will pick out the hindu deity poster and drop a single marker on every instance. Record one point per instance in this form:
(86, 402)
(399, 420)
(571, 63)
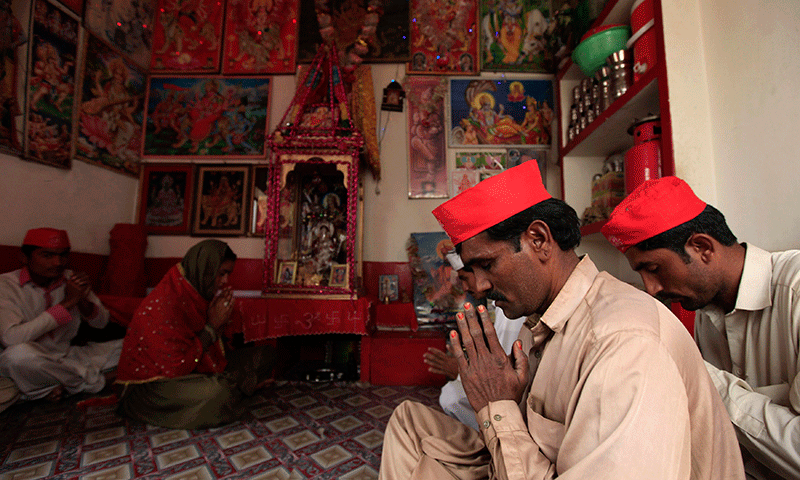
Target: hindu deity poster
(10, 106)
(51, 85)
(166, 198)
(500, 112)
(444, 37)
(260, 36)
(210, 117)
(109, 131)
(514, 35)
(126, 24)
(427, 162)
(187, 36)
(347, 22)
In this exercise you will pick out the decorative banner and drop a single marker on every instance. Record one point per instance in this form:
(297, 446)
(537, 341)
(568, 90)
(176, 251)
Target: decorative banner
(444, 37)
(125, 24)
(109, 132)
(187, 36)
(264, 318)
(427, 163)
(51, 85)
(260, 36)
(209, 117)
(514, 36)
(500, 112)
(347, 19)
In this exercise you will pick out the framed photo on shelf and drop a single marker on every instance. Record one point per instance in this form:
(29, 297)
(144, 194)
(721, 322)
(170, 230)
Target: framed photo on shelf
(126, 25)
(339, 275)
(259, 189)
(221, 200)
(286, 273)
(500, 112)
(109, 129)
(388, 288)
(166, 198)
(187, 36)
(260, 37)
(206, 117)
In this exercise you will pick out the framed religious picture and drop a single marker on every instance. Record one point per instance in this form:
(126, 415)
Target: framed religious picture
(514, 36)
(166, 198)
(500, 112)
(11, 105)
(482, 160)
(259, 189)
(187, 36)
(109, 130)
(206, 117)
(51, 85)
(517, 156)
(347, 20)
(427, 162)
(260, 37)
(388, 288)
(128, 25)
(221, 200)
(339, 275)
(76, 6)
(286, 273)
(444, 40)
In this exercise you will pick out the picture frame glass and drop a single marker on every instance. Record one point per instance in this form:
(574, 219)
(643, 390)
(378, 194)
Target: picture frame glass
(388, 288)
(313, 217)
(221, 200)
(500, 112)
(165, 205)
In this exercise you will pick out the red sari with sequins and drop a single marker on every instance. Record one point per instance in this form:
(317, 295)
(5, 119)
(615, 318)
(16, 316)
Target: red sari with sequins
(163, 338)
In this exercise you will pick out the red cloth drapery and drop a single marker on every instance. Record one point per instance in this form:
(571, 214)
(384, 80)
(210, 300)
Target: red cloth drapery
(264, 318)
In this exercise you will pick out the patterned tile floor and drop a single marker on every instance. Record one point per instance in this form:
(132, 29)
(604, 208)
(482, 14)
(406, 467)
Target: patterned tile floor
(293, 431)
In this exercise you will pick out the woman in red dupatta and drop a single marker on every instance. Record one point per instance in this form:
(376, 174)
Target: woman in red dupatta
(173, 369)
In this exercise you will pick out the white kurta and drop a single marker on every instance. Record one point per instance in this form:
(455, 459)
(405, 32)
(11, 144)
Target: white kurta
(753, 356)
(452, 398)
(37, 354)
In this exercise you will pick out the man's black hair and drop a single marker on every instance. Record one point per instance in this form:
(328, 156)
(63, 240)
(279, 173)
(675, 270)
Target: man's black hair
(560, 218)
(28, 250)
(710, 222)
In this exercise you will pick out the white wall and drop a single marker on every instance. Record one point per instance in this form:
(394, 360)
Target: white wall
(752, 68)
(87, 201)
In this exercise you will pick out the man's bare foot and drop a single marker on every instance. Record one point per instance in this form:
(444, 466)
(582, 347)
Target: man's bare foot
(55, 394)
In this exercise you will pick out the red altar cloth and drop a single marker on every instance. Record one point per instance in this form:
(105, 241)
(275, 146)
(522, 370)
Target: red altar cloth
(264, 318)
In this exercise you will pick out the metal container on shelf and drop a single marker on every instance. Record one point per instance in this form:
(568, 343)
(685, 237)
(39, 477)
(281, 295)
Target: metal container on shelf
(576, 94)
(643, 160)
(621, 65)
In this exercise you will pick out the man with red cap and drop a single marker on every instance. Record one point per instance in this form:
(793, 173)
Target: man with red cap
(747, 300)
(604, 382)
(42, 306)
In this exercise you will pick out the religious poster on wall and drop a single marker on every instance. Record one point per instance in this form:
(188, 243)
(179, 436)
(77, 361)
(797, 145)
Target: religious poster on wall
(187, 36)
(427, 163)
(438, 295)
(444, 37)
(109, 131)
(347, 21)
(51, 85)
(260, 36)
(209, 117)
(10, 107)
(221, 200)
(166, 198)
(500, 112)
(126, 24)
(514, 36)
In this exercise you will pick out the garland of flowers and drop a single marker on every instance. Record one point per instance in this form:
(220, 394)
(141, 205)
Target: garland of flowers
(355, 56)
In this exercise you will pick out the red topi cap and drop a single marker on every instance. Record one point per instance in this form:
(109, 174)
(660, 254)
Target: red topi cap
(46, 238)
(491, 201)
(653, 207)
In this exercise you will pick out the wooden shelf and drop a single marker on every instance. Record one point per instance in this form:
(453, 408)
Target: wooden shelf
(608, 133)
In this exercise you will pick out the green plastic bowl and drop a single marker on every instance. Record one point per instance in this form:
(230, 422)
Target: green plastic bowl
(599, 43)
